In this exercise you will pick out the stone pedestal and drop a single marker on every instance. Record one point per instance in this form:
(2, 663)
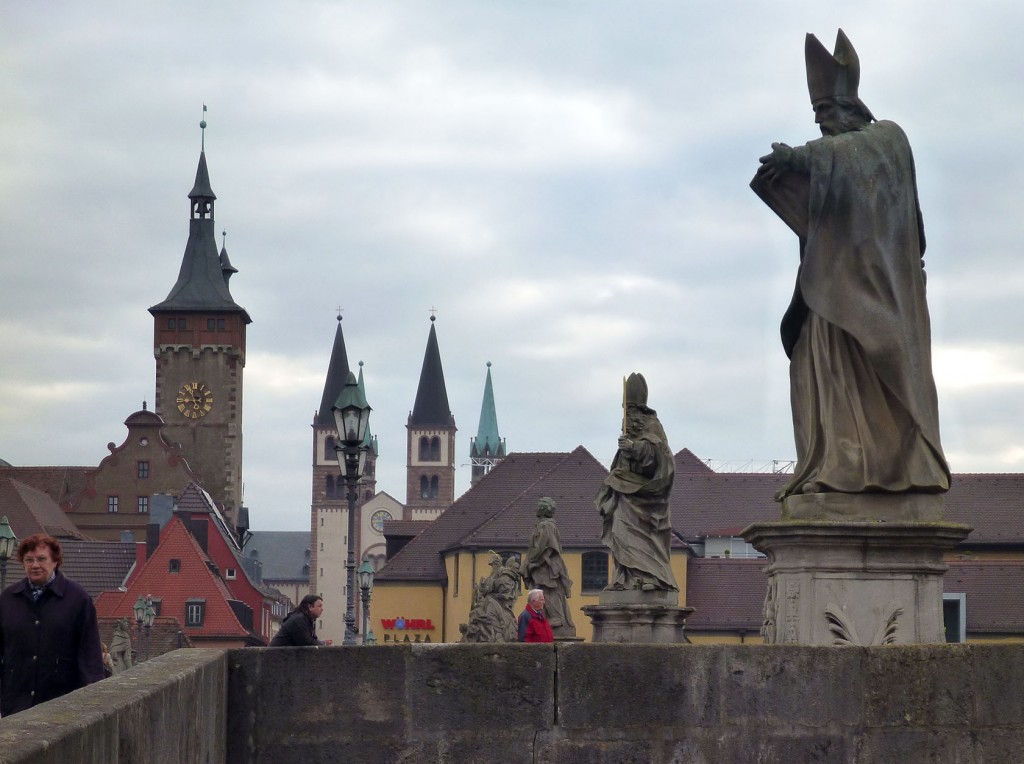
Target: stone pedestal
(833, 582)
(639, 617)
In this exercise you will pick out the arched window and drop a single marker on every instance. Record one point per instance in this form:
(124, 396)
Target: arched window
(330, 486)
(595, 571)
(433, 487)
(424, 487)
(435, 449)
(424, 449)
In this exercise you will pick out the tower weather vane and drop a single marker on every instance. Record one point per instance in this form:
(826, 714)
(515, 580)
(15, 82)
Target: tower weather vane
(202, 127)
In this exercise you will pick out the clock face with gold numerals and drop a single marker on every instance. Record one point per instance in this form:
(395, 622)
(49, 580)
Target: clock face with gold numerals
(194, 400)
(378, 518)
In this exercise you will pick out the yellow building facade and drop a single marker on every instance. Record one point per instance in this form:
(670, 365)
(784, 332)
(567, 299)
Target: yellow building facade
(446, 605)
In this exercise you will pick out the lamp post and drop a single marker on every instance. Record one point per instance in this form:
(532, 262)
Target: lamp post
(365, 587)
(8, 545)
(352, 416)
(144, 615)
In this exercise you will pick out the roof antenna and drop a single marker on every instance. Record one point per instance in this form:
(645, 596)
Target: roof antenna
(202, 126)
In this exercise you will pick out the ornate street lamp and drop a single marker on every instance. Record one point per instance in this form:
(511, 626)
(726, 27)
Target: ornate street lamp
(365, 587)
(8, 546)
(352, 417)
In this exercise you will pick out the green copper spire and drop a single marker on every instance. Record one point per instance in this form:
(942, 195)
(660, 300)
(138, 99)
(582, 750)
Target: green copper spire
(487, 441)
(370, 439)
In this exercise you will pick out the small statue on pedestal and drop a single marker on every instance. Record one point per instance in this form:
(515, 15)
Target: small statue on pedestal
(543, 568)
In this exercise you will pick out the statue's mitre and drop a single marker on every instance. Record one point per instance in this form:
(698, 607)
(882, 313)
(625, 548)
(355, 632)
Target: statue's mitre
(635, 392)
(831, 75)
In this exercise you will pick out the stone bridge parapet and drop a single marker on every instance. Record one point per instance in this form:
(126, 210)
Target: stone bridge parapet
(541, 703)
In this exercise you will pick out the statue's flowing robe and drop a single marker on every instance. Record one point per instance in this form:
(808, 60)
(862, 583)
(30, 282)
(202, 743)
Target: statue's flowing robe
(543, 568)
(857, 332)
(634, 505)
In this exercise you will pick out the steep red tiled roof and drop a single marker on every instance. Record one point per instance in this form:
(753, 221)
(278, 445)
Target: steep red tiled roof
(501, 509)
(195, 580)
(726, 595)
(62, 484)
(30, 510)
(404, 528)
(97, 565)
(687, 461)
(995, 594)
(572, 482)
(991, 503)
(706, 502)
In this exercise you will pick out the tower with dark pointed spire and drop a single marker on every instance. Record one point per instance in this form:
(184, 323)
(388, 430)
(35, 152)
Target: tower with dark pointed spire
(328, 483)
(430, 470)
(329, 509)
(199, 345)
(487, 448)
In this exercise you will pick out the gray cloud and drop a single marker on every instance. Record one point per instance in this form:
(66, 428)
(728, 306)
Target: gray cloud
(566, 182)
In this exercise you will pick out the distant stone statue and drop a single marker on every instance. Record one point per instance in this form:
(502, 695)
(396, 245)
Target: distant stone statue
(491, 617)
(857, 331)
(633, 501)
(121, 647)
(543, 568)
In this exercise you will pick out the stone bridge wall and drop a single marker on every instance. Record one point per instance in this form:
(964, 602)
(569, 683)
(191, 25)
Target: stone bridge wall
(542, 703)
(171, 709)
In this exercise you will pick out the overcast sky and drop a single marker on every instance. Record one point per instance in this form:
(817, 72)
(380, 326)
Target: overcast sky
(566, 182)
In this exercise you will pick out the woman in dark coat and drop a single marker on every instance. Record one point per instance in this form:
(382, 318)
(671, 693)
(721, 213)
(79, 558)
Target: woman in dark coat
(49, 640)
(298, 627)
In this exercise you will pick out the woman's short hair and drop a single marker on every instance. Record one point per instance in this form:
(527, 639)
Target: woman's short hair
(37, 540)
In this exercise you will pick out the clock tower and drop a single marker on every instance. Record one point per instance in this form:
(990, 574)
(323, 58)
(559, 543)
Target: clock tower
(199, 345)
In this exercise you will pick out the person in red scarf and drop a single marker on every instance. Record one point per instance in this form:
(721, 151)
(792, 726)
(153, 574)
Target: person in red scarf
(533, 624)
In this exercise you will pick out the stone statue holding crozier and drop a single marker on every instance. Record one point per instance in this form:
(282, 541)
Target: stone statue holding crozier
(857, 331)
(543, 568)
(857, 556)
(633, 501)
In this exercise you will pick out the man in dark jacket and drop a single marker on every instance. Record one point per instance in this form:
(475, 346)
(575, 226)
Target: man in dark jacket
(298, 627)
(49, 640)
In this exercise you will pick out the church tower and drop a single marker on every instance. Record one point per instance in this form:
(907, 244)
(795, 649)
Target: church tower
(487, 448)
(329, 511)
(430, 471)
(199, 345)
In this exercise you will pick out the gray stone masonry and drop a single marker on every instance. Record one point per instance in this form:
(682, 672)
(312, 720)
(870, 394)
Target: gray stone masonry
(854, 583)
(562, 703)
(170, 709)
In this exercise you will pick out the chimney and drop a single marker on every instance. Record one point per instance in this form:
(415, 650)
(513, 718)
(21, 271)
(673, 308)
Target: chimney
(152, 539)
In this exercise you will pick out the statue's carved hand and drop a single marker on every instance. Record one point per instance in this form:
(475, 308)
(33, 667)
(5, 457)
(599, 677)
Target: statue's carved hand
(775, 164)
(625, 444)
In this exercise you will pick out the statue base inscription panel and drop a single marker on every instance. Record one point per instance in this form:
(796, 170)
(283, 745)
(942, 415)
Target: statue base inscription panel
(854, 583)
